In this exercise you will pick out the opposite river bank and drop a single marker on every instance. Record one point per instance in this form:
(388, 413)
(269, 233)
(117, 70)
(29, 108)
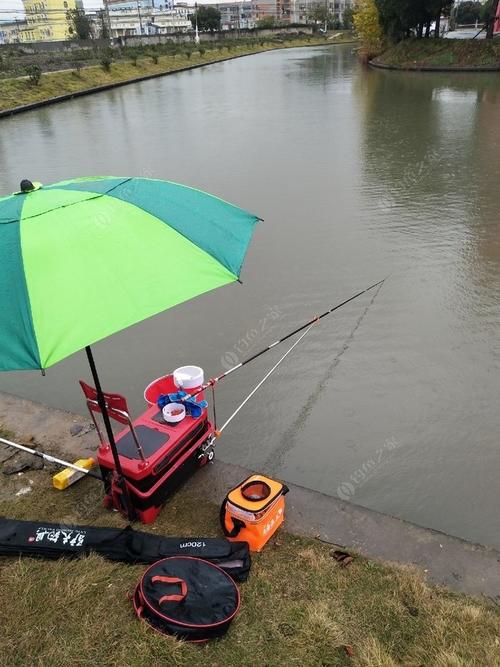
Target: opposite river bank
(442, 55)
(26, 93)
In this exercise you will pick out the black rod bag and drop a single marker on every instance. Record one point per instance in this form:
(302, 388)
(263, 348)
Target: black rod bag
(52, 540)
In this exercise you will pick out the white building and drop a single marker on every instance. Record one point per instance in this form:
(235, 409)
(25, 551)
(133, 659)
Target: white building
(131, 5)
(134, 20)
(169, 21)
(10, 31)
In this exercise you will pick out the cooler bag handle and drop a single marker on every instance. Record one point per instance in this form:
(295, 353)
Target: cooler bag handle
(237, 524)
(171, 580)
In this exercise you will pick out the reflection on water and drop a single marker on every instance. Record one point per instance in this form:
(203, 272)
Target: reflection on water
(359, 174)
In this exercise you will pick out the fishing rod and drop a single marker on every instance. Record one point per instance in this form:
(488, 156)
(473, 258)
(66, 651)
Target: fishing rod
(307, 327)
(259, 385)
(254, 356)
(48, 457)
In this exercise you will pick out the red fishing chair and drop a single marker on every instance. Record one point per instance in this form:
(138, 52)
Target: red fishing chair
(155, 457)
(136, 441)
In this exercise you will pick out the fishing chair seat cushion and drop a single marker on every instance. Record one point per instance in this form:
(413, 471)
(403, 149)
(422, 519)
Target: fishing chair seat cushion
(149, 438)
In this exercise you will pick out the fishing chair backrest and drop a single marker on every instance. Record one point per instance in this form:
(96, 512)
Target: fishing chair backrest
(117, 409)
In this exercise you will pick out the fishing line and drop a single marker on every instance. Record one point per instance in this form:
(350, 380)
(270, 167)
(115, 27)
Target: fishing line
(268, 374)
(254, 356)
(305, 328)
(289, 437)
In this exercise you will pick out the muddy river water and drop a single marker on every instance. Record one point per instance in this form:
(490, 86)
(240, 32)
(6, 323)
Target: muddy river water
(394, 402)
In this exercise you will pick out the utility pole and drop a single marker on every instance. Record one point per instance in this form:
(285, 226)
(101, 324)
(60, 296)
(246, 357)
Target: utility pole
(139, 13)
(196, 35)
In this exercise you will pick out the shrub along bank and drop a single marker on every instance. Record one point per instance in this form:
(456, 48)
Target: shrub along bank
(442, 54)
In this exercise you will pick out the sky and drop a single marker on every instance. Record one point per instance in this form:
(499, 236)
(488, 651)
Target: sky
(9, 9)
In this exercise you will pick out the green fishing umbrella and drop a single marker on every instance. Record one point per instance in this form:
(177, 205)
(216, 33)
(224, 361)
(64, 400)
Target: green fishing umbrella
(82, 259)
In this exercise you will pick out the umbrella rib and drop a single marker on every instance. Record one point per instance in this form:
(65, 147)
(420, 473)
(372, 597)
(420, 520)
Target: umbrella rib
(95, 195)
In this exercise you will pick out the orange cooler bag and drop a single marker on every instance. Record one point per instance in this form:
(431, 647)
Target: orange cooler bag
(254, 510)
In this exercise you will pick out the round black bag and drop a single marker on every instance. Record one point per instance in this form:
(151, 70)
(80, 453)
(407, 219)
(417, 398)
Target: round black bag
(187, 597)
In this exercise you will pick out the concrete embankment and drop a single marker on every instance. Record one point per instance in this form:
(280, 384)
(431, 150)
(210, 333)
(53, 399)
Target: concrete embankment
(441, 55)
(460, 565)
(433, 68)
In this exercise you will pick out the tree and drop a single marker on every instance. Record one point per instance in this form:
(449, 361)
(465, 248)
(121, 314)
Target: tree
(367, 23)
(348, 18)
(267, 22)
(103, 25)
(34, 73)
(401, 18)
(491, 18)
(468, 12)
(207, 17)
(106, 62)
(319, 13)
(79, 24)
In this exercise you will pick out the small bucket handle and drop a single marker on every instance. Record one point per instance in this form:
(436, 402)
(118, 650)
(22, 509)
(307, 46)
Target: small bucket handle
(176, 597)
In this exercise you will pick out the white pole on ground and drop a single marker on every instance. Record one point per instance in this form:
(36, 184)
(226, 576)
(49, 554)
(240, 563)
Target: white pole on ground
(47, 457)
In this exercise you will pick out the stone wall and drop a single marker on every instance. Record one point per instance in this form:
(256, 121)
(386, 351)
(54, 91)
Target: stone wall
(147, 40)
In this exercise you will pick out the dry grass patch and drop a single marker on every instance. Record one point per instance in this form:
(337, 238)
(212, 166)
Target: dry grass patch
(299, 607)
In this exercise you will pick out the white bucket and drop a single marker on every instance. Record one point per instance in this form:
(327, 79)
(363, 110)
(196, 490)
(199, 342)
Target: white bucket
(188, 377)
(174, 412)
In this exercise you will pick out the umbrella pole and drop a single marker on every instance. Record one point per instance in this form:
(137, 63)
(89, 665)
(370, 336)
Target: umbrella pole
(111, 438)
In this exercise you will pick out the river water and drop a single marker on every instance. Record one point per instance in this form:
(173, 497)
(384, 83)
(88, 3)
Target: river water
(394, 402)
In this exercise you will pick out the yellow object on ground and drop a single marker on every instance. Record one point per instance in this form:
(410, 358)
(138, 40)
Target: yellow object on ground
(68, 476)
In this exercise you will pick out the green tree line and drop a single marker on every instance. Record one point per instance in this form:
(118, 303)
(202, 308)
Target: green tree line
(381, 21)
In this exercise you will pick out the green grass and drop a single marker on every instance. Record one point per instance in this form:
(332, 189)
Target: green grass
(453, 53)
(299, 607)
(18, 91)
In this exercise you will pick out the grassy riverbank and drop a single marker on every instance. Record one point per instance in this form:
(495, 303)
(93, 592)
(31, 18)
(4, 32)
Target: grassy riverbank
(128, 66)
(299, 607)
(442, 53)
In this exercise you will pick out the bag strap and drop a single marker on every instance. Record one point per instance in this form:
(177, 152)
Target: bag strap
(171, 580)
(237, 523)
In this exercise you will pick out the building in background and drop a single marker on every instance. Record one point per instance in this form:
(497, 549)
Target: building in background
(335, 7)
(281, 10)
(46, 20)
(126, 18)
(236, 15)
(10, 31)
(133, 5)
(168, 21)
